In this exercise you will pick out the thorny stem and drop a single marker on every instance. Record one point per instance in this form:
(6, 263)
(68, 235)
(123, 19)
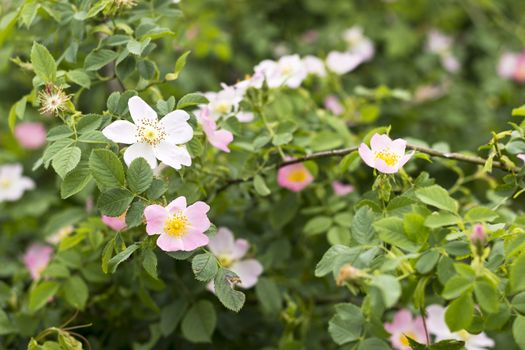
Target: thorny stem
(344, 151)
(432, 152)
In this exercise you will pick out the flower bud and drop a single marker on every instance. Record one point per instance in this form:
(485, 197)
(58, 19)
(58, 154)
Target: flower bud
(478, 236)
(347, 273)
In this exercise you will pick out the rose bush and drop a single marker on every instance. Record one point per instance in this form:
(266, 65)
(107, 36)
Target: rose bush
(337, 196)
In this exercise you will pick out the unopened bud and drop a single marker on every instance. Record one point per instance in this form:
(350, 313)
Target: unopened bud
(347, 273)
(478, 236)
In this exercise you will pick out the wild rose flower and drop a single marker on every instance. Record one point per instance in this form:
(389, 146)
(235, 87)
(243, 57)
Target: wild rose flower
(512, 66)
(30, 135)
(230, 254)
(12, 183)
(179, 227)
(294, 177)
(437, 326)
(116, 223)
(150, 138)
(36, 259)
(223, 102)
(218, 138)
(521, 156)
(342, 189)
(342, 62)
(358, 43)
(404, 326)
(332, 103)
(52, 100)
(58, 236)
(314, 65)
(289, 71)
(441, 44)
(385, 155)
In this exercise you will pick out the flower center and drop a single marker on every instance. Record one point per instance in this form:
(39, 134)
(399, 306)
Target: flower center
(176, 225)
(464, 335)
(388, 157)
(297, 176)
(403, 338)
(225, 260)
(222, 107)
(286, 69)
(150, 132)
(5, 183)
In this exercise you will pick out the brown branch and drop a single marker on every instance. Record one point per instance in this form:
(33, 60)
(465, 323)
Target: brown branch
(432, 152)
(344, 151)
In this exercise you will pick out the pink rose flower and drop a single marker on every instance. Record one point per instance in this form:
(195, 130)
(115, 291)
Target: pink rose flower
(230, 252)
(385, 155)
(294, 177)
(179, 227)
(30, 135)
(404, 326)
(117, 223)
(37, 258)
(218, 138)
(437, 326)
(512, 66)
(333, 105)
(342, 189)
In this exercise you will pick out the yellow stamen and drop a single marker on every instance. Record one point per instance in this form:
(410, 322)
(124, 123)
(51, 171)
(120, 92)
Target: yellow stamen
(464, 335)
(297, 176)
(150, 132)
(388, 157)
(225, 261)
(5, 183)
(403, 339)
(222, 107)
(176, 225)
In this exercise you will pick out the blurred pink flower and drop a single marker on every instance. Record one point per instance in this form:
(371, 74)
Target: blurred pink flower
(218, 138)
(310, 36)
(358, 43)
(294, 177)
(343, 62)
(179, 227)
(116, 223)
(441, 44)
(385, 155)
(521, 156)
(404, 326)
(342, 189)
(437, 326)
(58, 236)
(230, 252)
(30, 135)
(332, 103)
(314, 65)
(37, 258)
(512, 66)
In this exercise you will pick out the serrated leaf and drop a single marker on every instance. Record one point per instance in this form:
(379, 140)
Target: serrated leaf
(199, 322)
(139, 175)
(98, 59)
(190, 100)
(438, 197)
(106, 168)
(204, 266)
(66, 160)
(39, 296)
(114, 202)
(115, 261)
(224, 283)
(76, 180)
(43, 63)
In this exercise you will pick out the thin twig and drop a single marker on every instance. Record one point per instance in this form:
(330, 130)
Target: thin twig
(344, 151)
(423, 317)
(447, 155)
